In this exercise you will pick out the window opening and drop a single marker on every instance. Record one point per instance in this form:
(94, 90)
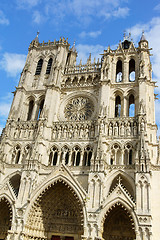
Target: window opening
(119, 71)
(18, 156)
(118, 107)
(131, 106)
(40, 109)
(55, 158)
(132, 70)
(49, 65)
(85, 158)
(66, 158)
(89, 158)
(78, 158)
(39, 67)
(30, 110)
(130, 157)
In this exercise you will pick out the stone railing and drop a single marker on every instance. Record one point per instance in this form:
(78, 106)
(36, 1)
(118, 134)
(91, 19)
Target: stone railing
(119, 127)
(87, 68)
(73, 130)
(21, 129)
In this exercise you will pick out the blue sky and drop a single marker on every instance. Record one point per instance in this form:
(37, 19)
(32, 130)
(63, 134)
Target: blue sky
(92, 24)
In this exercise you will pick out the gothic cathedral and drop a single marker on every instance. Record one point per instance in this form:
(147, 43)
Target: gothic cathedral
(79, 156)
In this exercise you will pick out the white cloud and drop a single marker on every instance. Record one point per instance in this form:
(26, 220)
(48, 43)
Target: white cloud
(12, 63)
(90, 34)
(37, 17)
(27, 3)
(117, 13)
(157, 7)
(83, 10)
(85, 50)
(3, 19)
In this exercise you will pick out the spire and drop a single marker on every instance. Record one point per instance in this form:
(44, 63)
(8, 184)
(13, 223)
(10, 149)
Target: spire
(143, 37)
(74, 48)
(36, 38)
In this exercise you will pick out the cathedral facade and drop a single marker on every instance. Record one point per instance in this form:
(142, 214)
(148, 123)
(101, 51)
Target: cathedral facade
(79, 156)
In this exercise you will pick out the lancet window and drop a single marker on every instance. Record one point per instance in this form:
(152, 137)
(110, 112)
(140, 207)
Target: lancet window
(132, 70)
(65, 155)
(118, 106)
(53, 157)
(119, 75)
(128, 155)
(76, 156)
(39, 67)
(40, 108)
(30, 110)
(49, 65)
(131, 110)
(87, 156)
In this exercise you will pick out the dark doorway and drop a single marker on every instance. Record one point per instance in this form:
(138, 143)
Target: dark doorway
(118, 225)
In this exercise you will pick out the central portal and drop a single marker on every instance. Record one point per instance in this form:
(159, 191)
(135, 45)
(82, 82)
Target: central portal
(57, 214)
(118, 225)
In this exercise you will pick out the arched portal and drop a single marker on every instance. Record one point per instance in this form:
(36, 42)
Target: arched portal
(56, 213)
(118, 224)
(5, 218)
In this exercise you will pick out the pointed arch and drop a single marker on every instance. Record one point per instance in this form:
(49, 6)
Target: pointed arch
(124, 205)
(62, 199)
(119, 71)
(6, 215)
(132, 70)
(118, 223)
(39, 67)
(49, 66)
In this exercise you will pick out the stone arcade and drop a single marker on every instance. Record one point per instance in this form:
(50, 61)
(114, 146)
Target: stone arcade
(79, 156)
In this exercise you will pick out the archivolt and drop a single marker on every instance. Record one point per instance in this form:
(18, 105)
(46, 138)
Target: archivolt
(58, 207)
(5, 217)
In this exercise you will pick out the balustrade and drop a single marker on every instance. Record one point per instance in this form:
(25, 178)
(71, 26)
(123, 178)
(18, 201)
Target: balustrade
(93, 67)
(69, 130)
(127, 127)
(21, 129)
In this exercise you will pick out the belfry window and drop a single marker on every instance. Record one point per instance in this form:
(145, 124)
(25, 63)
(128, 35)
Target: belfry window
(49, 65)
(39, 67)
(132, 70)
(118, 106)
(40, 108)
(131, 110)
(30, 110)
(119, 71)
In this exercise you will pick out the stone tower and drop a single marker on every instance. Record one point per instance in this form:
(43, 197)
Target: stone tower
(79, 156)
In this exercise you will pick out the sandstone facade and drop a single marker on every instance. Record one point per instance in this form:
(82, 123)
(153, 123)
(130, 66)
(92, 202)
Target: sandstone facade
(79, 156)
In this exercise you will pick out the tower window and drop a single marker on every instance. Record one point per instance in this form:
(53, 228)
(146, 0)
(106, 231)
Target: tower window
(40, 108)
(132, 70)
(49, 65)
(118, 107)
(131, 106)
(30, 110)
(39, 67)
(119, 71)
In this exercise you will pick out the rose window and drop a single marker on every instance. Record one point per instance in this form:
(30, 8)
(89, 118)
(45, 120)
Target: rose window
(79, 109)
